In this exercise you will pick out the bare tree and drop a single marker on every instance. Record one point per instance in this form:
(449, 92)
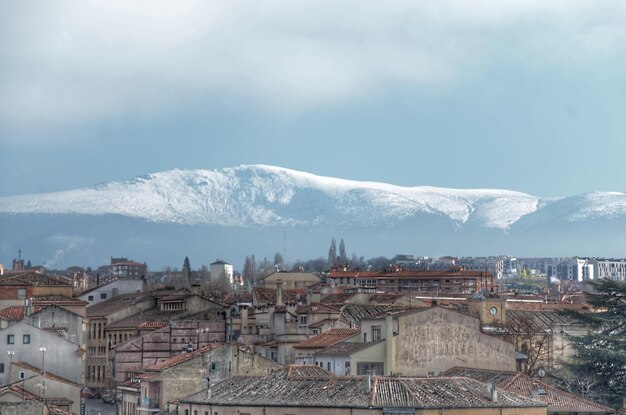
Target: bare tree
(531, 339)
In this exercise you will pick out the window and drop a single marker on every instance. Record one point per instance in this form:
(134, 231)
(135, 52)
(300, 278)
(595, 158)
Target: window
(90, 298)
(303, 320)
(347, 368)
(365, 337)
(22, 375)
(328, 366)
(21, 293)
(26, 339)
(213, 366)
(10, 339)
(370, 368)
(376, 333)
(103, 296)
(1, 367)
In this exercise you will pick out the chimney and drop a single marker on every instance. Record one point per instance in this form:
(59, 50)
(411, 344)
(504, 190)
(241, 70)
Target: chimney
(389, 346)
(494, 393)
(279, 292)
(244, 320)
(534, 391)
(28, 307)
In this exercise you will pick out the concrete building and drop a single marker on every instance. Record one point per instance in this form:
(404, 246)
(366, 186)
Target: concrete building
(432, 282)
(221, 268)
(613, 269)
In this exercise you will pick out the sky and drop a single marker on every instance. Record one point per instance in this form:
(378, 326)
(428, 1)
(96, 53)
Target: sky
(523, 95)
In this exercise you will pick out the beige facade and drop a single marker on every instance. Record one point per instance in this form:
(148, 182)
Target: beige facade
(291, 280)
(432, 341)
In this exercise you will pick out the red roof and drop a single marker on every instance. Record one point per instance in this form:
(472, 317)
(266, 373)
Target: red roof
(328, 338)
(15, 313)
(173, 361)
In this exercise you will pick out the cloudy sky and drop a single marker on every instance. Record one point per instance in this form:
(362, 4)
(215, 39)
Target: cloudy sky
(527, 95)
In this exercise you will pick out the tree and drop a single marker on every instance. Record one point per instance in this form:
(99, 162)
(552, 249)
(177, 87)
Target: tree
(249, 268)
(343, 257)
(600, 354)
(332, 253)
(529, 338)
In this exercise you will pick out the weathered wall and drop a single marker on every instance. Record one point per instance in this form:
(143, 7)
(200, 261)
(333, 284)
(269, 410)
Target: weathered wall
(21, 408)
(437, 339)
(60, 356)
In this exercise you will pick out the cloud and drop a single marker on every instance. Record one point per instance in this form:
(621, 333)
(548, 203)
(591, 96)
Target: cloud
(78, 62)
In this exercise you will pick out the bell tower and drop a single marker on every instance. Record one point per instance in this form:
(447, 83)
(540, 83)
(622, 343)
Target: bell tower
(489, 306)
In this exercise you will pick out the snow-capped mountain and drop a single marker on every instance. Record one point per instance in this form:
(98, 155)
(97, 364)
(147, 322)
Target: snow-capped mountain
(266, 196)
(258, 209)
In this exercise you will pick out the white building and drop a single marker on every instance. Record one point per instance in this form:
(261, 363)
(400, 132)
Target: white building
(613, 269)
(219, 268)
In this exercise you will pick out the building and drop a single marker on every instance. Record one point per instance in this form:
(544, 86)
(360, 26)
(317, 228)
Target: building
(558, 401)
(16, 288)
(221, 268)
(123, 268)
(291, 280)
(431, 282)
(613, 269)
(182, 375)
(111, 289)
(309, 390)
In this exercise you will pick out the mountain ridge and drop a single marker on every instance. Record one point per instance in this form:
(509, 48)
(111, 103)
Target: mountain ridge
(264, 195)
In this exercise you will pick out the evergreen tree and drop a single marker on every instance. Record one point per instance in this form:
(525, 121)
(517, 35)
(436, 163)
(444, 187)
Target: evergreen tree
(332, 253)
(343, 257)
(600, 354)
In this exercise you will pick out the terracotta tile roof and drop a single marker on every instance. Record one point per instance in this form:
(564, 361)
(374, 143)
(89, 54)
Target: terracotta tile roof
(268, 296)
(345, 348)
(321, 323)
(336, 298)
(238, 298)
(173, 361)
(116, 303)
(153, 315)
(406, 274)
(29, 278)
(310, 386)
(316, 308)
(385, 298)
(57, 299)
(557, 399)
(522, 384)
(15, 313)
(354, 313)
(539, 320)
(328, 338)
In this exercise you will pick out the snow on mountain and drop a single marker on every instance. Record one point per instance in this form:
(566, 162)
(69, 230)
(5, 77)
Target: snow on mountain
(262, 195)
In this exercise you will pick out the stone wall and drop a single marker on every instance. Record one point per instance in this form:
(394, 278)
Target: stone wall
(21, 408)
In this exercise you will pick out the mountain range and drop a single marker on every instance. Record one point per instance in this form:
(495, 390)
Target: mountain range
(261, 209)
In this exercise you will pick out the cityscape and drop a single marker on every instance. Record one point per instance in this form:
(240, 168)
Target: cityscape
(312, 207)
(416, 334)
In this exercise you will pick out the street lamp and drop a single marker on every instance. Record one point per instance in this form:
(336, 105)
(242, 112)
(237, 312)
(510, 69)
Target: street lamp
(541, 372)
